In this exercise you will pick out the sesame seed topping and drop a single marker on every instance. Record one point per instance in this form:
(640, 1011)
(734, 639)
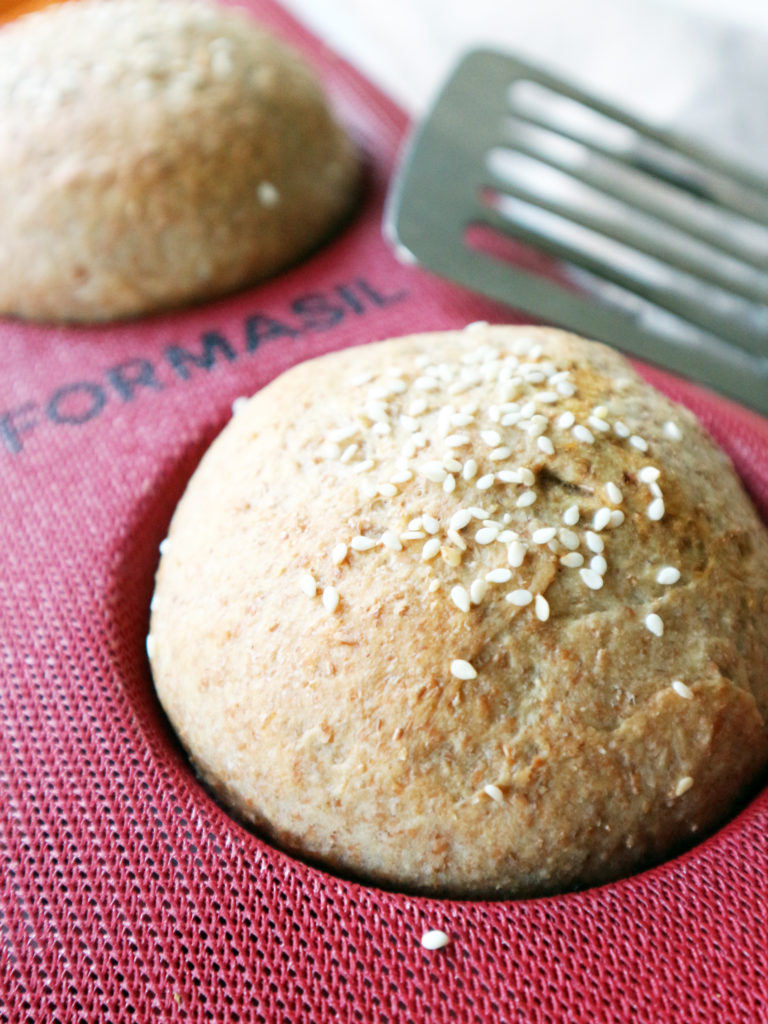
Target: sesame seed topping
(655, 510)
(430, 524)
(667, 575)
(500, 453)
(682, 690)
(491, 437)
(434, 471)
(362, 543)
(430, 549)
(470, 470)
(591, 579)
(598, 424)
(672, 431)
(449, 484)
(571, 515)
(485, 482)
(460, 519)
(648, 475)
(595, 542)
(151, 644)
(494, 793)
(460, 598)
(541, 608)
(390, 539)
(434, 939)
(308, 584)
(582, 433)
(331, 599)
(338, 554)
(654, 624)
(599, 565)
(683, 785)
(601, 519)
(462, 669)
(520, 598)
(572, 560)
(568, 538)
(499, 576)
(621, 429)
(617, 518)
(487, 535)
(516, 554)
(543, 535)
(268, 194)
(545, 445)
(451, 556)
(239, 404)
(387, 490)
(613, 493)
(638, 442)
(526, 499)
(412, 535)
(477, 591)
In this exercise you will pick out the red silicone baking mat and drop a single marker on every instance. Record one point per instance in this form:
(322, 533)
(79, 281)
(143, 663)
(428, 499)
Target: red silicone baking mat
(127, 894)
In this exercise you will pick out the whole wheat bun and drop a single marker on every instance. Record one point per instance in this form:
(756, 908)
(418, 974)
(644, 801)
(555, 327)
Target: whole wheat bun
(469, 613)
(157, 153)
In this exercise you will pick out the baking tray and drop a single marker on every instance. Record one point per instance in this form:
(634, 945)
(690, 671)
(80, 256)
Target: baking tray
(126, 892)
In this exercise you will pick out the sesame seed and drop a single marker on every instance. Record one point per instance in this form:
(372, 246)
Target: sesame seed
(402, 476)
(591, 579)
(477, 591)
(433, 471)
(566, 420)
(595, 542)
(667, 575)
(566, 388)
(470, 469)
(268, 194)
(457, 440)
(349, 453)
(572, 560)
(451, 464)
(526, 499)
(430, 549)
(387, 490)
(462, 669)
(498, 576)
(460, 519)
(568, 538)
(162, 547)
(461, 419)
(381, 429)
(451, 556)
(683, 785)
(543, 535)
(500, 453)
(571, 515)
(426, 383)
(582, 433)
(434, 939)
(362, 543)
(487, 535)
(338, 554)
(342, 433)
(621, 429)
(494, 793)
(682, 690)
(455, 537)
(638, 442)
(655, 510)
(541, 608)
(526, 476)
(460, 598)
(433, 586)
(655, 490)
(654, 624)
(516, 554)
(331, 599)
(520, 598)
(509, 476)
(545, 445)
(430, 524)
(477, 512)
(537, 426)
(151, 644)
(417, 407)
(484, 482)
(601, 519)
(449, 484)
(364, 466)
(617, 518)
(239, 404)
(597, 423)
(491, 437)
(599, 565)
(672, 431)
(390, 539)
(648, 475)
(413, 535)
(308, 584)
(613, 493)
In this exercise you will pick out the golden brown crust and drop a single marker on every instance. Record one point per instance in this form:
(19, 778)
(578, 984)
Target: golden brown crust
(157, 153)
(569, 757)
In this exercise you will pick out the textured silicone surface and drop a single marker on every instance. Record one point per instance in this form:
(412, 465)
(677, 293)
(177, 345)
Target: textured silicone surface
(125, 892)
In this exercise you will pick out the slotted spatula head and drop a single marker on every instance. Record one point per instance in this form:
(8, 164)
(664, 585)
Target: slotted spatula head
(528, 190)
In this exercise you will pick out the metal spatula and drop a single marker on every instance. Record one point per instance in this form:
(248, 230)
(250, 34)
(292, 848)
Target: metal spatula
(532, 192)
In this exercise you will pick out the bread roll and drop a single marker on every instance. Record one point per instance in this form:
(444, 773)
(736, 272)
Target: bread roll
(474, 613)
(157, 153)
